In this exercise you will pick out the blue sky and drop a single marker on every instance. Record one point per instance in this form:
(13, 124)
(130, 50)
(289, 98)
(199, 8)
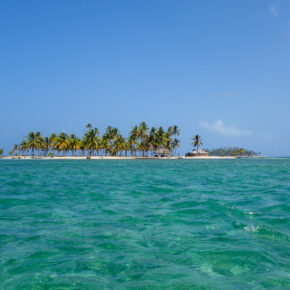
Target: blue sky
(217, 68)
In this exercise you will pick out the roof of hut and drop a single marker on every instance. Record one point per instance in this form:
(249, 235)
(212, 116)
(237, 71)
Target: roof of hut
(200, 151)
(162, 151)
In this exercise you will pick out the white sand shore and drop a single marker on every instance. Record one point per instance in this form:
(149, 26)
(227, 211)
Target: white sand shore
(113, 157)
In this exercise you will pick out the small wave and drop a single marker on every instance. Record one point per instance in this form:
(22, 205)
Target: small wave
(251, 228)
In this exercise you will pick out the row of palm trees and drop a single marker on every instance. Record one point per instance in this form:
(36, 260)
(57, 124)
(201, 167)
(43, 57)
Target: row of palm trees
(141, 141)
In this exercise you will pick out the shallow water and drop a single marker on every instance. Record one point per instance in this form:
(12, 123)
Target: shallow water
(145, 224)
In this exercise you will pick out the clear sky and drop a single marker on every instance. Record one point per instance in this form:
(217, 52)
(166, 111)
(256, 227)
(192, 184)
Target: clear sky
(217, 68)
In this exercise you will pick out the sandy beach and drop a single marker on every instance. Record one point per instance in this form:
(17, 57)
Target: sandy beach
(111, 157)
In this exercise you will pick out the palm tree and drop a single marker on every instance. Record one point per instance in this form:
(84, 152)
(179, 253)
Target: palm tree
(161, 138)
(127, 147)
(108, 139)
(133, 140)
(45, 144)
(48, 143)
(170, 131)
(62, 143)
(103, 145)
(81, 147)
(172, 143)
(175, 130)
(23, 147)
(197, 142)
(51, 141)
(119, 144)
(1, 152)
(90, 140)
(14, 149)
(32, 141)
(241, 151)
(98, 144)
(73, 141)
(39, 142)
(151, 140)
(142, 135)
(175, 144)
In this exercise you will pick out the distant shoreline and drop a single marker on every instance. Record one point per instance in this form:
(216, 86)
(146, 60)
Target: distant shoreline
(112, 158)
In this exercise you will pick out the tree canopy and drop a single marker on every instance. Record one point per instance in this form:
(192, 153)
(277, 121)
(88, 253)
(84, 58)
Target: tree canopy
(141, 141)
(232, 151)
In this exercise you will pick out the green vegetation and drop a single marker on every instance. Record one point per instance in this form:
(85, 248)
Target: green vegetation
(1, 152)
(140, 142)
(197, 142)
(232, 151)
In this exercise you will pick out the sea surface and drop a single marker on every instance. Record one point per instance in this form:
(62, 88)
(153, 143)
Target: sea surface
(145, 224)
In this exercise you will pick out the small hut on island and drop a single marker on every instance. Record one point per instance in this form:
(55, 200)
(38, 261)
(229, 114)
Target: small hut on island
(197, 153)
(162, 152)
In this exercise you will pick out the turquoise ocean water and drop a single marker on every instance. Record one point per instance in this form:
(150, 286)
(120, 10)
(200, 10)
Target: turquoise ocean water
(145, 224)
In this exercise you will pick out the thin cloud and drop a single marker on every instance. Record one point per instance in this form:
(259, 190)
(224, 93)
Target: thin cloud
(227, 130)
(273, 9)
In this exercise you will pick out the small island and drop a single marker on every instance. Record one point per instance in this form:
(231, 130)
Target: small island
(142, 143)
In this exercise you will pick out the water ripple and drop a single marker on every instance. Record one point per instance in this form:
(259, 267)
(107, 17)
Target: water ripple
(141, 224)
